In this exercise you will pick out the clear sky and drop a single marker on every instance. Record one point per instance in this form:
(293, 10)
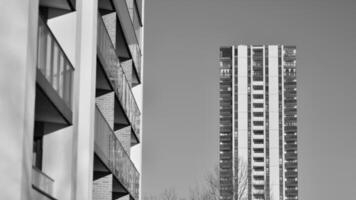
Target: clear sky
(182, 39)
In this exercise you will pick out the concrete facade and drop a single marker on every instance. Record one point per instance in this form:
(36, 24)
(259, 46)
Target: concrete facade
(71, 119)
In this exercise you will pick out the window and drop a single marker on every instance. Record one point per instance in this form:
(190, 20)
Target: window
(258, 87)
(258, 123)
(258, 96)
(258, 132)
(258, 168)
(258, 141)
(258, 150)
(258, 159)
(258, 105)
(259, 178)
(258, 114)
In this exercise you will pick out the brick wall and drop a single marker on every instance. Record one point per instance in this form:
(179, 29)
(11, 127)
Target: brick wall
(106, 106)
(102, 188)
(124, 136)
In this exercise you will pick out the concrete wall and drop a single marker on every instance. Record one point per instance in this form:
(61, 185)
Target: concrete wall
(17, 89)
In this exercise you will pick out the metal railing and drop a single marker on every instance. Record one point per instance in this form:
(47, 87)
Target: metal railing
(135, 49)
(113, 154)
(117, 77)
(53, 63)
(42, 181)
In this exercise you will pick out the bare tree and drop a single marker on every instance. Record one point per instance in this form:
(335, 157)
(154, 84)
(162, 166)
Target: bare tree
(211, 187)
(169, 194)
(240, 180)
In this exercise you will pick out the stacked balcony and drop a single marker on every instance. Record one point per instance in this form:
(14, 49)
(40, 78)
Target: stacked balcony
(290, 121)
(53, 103)
(290, 138)
(129, 15)
(111, 150)
(114, 156)
(291, 193)
(54, 77)
(291, 165)
(226, 182)
(116, 75)
(42, 185)
(59, 5)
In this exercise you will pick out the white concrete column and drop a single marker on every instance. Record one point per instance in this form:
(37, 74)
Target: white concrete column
(242, 98)
(18, 37)
(84, 98)
(273, 121)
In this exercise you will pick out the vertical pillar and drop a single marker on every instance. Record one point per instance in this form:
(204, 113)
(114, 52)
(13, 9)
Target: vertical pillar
(84, 98)
(17, 103)
(273, 122)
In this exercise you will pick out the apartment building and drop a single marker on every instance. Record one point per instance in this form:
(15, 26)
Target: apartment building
(258, 122)
(71, 99)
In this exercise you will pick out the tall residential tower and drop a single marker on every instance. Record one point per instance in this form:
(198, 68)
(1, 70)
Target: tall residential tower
(258, 123)
(71, 99)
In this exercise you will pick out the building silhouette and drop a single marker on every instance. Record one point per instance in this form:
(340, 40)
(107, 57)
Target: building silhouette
(258, 122)
(71, 99)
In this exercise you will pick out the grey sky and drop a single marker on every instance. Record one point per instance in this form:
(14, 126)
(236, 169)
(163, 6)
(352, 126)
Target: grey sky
(182, 38)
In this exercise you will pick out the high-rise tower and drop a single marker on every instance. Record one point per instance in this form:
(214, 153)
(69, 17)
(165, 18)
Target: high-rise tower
(258, 123)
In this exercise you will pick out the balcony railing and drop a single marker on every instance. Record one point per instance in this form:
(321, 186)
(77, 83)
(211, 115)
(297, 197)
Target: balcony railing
(135, 18)
(117, 77)
(136, 57)
(42, 182)
(113, 154)
(53, 63)
(291, 165)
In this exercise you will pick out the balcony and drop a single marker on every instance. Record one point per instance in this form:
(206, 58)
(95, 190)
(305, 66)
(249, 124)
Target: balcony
(54, 78)
(291, 156)
(131, 24)
(42, 185)
(63, 5)
(291, 165)
(116, 75)
(291, 174)
(290, 138)
(290, 128)
(113, 155)
(291, 183)
(290, 147)
(291, 192)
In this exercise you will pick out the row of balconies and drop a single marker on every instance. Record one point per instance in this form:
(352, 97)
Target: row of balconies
(55, 78)
(117, 77)
(114, 156)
